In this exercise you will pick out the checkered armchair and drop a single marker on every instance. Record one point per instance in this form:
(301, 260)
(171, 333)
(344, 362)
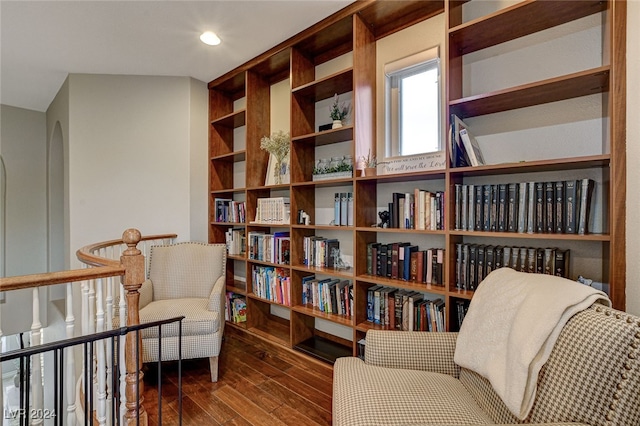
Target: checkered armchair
(592, 378)
(185, 279)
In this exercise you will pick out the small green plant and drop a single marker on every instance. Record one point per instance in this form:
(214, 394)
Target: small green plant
(338, 111)
(369, 161)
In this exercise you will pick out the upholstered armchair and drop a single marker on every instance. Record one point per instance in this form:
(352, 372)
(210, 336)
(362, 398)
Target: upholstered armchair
(185, 279)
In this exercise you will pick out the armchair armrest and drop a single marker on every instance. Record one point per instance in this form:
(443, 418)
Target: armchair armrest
(412, 350)
(216, 298)
(146, 293)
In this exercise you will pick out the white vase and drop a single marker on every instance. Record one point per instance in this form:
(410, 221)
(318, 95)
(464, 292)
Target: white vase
(336, 124)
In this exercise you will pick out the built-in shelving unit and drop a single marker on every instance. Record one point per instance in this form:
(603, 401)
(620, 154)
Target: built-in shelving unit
(240, 111)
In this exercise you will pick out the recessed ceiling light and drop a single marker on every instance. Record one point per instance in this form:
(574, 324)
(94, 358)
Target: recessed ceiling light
(210, 38)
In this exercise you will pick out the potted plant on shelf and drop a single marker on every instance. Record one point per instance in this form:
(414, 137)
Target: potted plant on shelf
(369, 164)
(338, 112)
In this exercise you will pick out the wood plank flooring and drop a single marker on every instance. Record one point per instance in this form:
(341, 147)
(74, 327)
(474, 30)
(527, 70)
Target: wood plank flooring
(259, 383)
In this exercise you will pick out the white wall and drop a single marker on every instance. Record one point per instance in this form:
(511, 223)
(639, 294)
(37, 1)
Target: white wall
(199, 160)
(633, 156)
(129, 156)
(24, 152)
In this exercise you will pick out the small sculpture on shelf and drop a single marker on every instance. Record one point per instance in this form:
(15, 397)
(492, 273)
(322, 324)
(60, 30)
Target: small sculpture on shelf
(339, 263)
(385, 219)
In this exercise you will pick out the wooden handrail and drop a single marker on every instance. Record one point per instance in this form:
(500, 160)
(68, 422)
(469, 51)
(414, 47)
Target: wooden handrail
(86, 254)
(42, 280)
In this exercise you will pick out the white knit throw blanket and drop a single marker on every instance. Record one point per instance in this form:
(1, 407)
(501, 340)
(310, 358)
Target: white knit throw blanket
(513, 322)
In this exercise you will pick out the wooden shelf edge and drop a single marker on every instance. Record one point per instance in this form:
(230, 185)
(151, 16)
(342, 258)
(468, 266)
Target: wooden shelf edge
(314, 312)
(559, 164)
(534, 236)
(408, 285)
(233, 120)
(582, 83)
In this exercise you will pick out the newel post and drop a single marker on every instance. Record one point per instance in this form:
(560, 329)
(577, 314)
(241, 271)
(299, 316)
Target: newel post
(133, 261)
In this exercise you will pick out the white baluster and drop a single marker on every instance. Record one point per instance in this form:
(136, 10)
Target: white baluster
(85, 326)
(109, 357)
(70, 379)
(100, 355)
(37, 391)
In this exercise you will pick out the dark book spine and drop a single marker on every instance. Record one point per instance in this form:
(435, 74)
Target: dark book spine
(570, 207)
(458, 206)
(512, 207)
(493, 215)
(459, 284)
(586, 191)
(549, 259)
(486, 208)
(480, 264)
(464, 208)
(383, 260)
(471, 217)
(389, 259)
(473, 272)
(465, 266)
(488, 255)
(394, 260)
(478, 206)
(539, 216)
(559, 207)
(540, 261)
(561, 264)
(414, 265)
(502, 208)
(498, 257)
(549, 206)
(522, 266)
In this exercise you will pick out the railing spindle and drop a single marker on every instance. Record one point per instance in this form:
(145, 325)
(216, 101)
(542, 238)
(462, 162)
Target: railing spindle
(37, 389)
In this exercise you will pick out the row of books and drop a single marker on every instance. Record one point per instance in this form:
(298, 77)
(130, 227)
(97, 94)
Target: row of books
(404, 310)
(236, 241)
(228, 210)
(343, 209)
(332, 296)
(274, 211)
(418, 210)
(320, 251)
(235, 307)
(404, 261)
(475, 261)
(560, 207)
(271, 283)
(273, 248)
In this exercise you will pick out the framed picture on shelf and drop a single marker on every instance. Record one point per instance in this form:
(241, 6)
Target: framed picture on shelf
(283, 174)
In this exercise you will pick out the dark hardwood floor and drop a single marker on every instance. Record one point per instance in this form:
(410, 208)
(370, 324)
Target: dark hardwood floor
(259, 384)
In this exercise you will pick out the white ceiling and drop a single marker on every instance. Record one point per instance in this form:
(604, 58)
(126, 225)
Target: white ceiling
(41, 42)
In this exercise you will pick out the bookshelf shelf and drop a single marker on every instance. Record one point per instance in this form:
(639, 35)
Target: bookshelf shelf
(575, 85)
(323, 183)
(338, 273)
(407, 285)
(560, 164)
(233, 157)
(234, 120)
(310, 311)
(326, 137)
(534, 236)
(519, 20)
(340, 55)
(340, 82)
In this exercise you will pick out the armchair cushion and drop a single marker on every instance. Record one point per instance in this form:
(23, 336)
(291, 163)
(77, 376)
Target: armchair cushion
(198, 319)
(390, 396)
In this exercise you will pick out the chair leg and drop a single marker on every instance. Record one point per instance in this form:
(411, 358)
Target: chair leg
(213, 366)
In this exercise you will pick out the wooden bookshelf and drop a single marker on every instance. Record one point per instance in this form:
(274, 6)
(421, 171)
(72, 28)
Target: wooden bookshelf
(240, 99)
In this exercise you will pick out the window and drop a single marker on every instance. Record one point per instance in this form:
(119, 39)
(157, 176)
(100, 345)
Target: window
(412, 104)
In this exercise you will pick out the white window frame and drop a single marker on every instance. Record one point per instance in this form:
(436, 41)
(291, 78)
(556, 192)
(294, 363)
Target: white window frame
(394, 71)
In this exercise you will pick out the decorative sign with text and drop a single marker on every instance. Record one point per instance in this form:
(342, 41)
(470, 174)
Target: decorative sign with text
(413, 164)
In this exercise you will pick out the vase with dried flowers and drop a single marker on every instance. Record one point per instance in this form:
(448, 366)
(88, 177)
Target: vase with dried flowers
(278, 146)
(338, 112)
